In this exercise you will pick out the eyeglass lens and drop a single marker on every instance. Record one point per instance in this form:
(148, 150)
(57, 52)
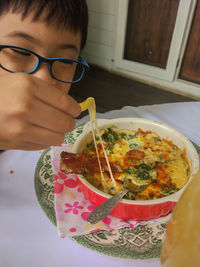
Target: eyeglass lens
(63, 70)
(17, 60)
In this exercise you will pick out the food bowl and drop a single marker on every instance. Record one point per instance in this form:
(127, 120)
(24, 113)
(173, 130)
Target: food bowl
(137, 209)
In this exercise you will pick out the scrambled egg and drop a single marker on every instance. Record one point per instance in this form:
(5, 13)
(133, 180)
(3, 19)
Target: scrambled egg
(144, 158)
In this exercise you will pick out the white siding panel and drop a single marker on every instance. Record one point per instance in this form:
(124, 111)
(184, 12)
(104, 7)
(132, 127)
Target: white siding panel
(95, 49)
(102, 6)
(100, 36)
(98, 61)
(100, 44)
(101, 21)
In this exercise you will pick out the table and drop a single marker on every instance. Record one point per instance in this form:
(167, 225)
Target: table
(27, 238)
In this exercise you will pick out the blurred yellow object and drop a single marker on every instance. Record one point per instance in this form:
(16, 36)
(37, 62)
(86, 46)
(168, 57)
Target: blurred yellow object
(181, 246)
(87, 103)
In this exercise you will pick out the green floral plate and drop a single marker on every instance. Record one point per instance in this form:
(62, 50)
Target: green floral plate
(142, 242)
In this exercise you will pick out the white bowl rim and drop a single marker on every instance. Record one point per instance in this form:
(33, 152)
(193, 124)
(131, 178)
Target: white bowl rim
(171, 198)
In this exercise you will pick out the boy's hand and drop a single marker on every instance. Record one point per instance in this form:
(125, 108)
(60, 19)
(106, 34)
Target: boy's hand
(33, 114)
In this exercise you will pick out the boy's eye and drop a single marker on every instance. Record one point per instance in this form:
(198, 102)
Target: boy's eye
(66, 62)
(21, 52)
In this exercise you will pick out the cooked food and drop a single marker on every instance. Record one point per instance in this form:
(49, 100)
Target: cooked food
(142, 157)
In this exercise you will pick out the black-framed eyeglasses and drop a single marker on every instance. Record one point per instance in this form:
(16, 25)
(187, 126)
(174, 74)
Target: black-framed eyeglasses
(18, 59)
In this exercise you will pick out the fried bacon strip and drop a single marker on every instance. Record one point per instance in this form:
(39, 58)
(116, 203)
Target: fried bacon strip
(135, 155)
(81, 163)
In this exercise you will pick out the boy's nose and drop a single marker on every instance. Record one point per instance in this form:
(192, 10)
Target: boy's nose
(43, 73)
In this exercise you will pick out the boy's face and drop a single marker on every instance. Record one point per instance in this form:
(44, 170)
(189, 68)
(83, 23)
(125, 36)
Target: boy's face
(45, 40)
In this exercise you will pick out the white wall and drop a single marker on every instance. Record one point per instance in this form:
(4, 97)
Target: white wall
(100, 44)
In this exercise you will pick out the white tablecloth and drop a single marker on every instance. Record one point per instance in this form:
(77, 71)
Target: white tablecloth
(27, 238)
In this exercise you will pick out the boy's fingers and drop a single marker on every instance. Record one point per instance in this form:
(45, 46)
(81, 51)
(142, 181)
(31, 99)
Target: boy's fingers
(48, 117)
(42, 137)
(57, 98)
(24, 146)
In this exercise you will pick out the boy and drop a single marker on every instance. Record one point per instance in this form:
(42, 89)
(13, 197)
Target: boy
(40, 43)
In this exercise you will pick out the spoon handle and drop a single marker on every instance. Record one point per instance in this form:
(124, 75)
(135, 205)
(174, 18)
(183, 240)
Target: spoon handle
(105, 208)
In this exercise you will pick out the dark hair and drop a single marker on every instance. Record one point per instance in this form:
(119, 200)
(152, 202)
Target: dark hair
(63, 13)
